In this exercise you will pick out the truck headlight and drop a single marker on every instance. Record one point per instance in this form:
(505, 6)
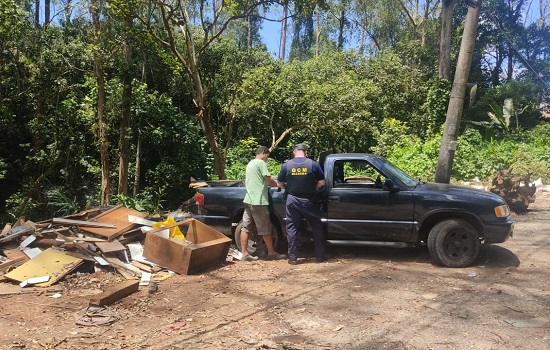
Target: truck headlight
(502, 211)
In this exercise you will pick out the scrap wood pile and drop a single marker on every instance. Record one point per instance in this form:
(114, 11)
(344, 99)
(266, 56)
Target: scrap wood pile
(516, 190)
(119, 239)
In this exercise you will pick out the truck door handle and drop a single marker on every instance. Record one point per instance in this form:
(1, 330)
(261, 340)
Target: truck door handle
(334, 198)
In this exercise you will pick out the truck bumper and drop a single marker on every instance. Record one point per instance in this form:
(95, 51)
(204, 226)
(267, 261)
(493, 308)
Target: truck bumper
(499, 232)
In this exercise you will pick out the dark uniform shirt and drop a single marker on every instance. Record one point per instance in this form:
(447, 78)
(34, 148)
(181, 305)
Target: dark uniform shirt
(301, 175)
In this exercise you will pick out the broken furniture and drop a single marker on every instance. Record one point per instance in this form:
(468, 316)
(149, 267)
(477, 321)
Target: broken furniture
(204, 247)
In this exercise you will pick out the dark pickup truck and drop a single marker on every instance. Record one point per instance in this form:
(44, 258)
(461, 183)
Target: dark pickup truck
(369, 201)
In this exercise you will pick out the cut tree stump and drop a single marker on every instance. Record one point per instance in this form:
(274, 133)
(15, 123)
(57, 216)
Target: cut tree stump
(515, 189)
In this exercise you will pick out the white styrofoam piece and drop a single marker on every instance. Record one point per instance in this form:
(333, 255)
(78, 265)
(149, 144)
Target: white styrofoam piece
(34, 280)
(145, 278)
(32, 252)
(27, 241)
(101, 261)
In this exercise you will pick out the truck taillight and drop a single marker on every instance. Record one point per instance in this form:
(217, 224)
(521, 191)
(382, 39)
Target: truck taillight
(199, 199)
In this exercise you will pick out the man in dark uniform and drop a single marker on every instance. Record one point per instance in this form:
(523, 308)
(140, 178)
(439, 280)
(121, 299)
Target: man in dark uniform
(302, 177)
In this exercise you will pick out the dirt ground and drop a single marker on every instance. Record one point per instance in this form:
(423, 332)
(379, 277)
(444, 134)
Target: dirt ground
(362, 298)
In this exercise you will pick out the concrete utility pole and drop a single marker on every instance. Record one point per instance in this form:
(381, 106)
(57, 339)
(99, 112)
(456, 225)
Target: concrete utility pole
(458, 92)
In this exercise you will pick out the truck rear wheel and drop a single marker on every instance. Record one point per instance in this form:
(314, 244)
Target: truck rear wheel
(453, 243)
(256, 245)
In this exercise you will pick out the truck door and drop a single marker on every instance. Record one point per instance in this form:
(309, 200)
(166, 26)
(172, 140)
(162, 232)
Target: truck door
(358, 209)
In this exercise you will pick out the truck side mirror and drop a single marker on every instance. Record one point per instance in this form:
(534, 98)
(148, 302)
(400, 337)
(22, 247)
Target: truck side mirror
(389, 186)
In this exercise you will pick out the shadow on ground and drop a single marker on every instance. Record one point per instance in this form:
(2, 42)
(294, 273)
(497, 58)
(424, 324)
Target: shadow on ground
(489, 255)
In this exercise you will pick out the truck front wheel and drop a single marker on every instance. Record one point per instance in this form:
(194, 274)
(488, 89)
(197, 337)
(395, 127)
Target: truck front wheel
(256, 245)
(453, 243)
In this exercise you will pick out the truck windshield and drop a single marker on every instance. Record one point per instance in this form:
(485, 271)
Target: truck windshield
(387, 166)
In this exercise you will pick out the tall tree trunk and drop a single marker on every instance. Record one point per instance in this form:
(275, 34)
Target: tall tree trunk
(341, 23)
(458, 93)
(424, 38)
(318, 34)
(495, 72)
(68, 7)
(126, 121)
(191, 61)
(510, 73)
(445, 40)
(37, 13)
(101, 100)
(47, 7)
(249, 32)
(284, 28)
(138, 165)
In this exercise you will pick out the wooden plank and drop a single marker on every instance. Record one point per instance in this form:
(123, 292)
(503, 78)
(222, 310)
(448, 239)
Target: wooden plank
(145, 267)
(107, 212)
(62, 221)
(110, 247)
(14, 262)
(50, 231)
(83, 247)
(85, 215)
(13, 253)
(17, 232)
(119, 217)
(132, 236)
(20, 221)
(119, 265)
(86, 239)
(114, 293)
(5, 230)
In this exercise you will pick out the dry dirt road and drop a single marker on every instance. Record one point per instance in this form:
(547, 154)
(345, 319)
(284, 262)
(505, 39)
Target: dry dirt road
(359, 299)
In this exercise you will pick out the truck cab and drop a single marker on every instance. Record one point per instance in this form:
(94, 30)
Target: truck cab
(368, 201)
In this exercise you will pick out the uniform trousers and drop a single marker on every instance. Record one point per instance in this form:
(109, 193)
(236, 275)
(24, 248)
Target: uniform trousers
(298, 208)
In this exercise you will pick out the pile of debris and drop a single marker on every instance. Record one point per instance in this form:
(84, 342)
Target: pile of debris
(516, 190)
(118, 239)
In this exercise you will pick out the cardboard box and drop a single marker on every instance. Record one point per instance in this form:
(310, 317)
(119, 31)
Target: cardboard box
(209, 247)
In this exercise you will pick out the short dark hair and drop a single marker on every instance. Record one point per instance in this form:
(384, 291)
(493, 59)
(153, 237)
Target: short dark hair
(299, 147)
(262, 150)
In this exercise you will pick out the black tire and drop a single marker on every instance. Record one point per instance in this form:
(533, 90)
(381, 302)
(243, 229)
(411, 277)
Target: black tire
(453, 243)
(256, 245)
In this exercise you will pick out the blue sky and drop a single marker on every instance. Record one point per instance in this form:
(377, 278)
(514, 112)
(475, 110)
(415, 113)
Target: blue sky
(271, 36)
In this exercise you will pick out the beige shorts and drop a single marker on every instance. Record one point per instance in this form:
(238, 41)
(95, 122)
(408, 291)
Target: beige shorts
(256, 217)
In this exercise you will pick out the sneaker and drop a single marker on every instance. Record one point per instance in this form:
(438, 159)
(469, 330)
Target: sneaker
(250, 258)
(293, 262)
(276, 256)
(323, 259)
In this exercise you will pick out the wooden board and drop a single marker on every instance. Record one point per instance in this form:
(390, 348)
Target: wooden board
(15, 262)
(50, 262)
(109, 247)
(117, 216)
(71, 222)
(13, 253)
(114, 293)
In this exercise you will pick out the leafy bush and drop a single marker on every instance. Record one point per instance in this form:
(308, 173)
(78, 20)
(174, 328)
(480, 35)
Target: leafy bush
(476, 157)
(533, 156)
(417, 158)
(389, 134)
(148, 201)
(2, 169)
(238, 158)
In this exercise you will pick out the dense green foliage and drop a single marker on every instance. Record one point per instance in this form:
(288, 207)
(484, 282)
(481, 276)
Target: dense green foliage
(477, 157)
(362, 77)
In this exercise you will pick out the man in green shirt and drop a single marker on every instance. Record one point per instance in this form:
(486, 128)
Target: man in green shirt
(256, 200)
